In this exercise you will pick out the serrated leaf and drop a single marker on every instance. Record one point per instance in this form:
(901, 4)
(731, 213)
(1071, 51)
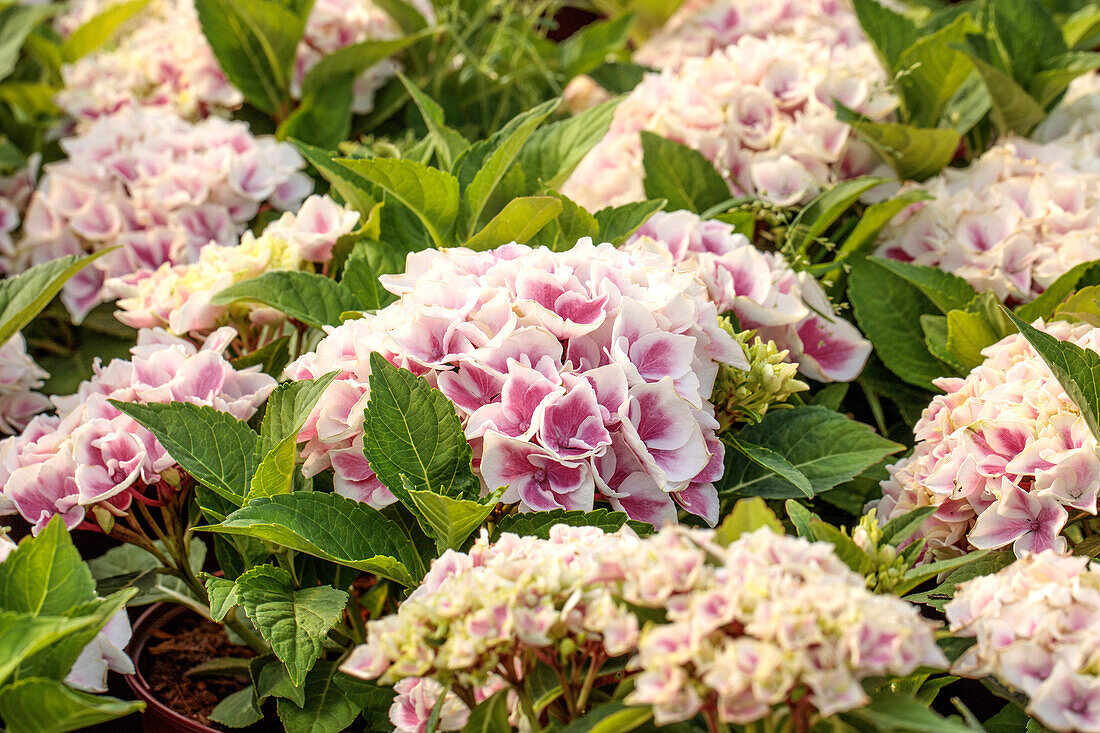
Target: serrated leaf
(932, 71)
(328, 526)
(538, 524)
(294, 621)
(215, 448)
(22, 297)
(680, 175)
(915, 153)
(947, 291)
(618, 223)
(774, 463)
(304, 296)
(747, 515)
(825, 446)
(449, 521)
(45, 575)
(287, 409)
(367, 262)
(518, 221)
(553, 151)
(223, 596)
(349, 186)
(38, 705)
(888, 310)
(429, 193)
(412, 430)
(328, 707)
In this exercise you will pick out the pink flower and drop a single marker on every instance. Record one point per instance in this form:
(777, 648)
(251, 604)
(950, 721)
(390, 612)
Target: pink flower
(535, 476)
(1068, 701)
(1029, 522)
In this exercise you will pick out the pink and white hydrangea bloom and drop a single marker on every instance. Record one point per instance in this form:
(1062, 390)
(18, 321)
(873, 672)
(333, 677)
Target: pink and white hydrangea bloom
(90, 454)
(745, 625)
(762, 290)
(1077, 114)
(1004, 455)
(577, 375)
(761, 110)
(15, 192)
(158, 188)
(19, 377)
(177, 296)
(162, 59)
(1012, 222)
(1037, 626)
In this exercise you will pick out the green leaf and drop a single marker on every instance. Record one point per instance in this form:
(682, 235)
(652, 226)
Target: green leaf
(618, 77)
(367, 262)
(255, 42)
(800, 517)
(22, 297)
(1014, 110)
(890, 32)
(553, 151)
(355, 59)
(1027, 33)
(58, 660)
(429, 193)
(986, 565)
(846, 549)
(129, 566)
(328, 526)
(946, 290)
(447, 520)
(915, 153)
(45, 575)
(747, 515)
(490, 716)
(270, 678)
(519, 221)
(933, 71)
(1081, 26)
(287, 409)
(772, 462)
(967, 334)
(217, 449)
(680, 175)
(916, 575)
(272, 357)
(588, 48)
(304, 296)
(37, 705)
(323, 116)
(892, 711)
(1048, 85)
(901, 528)
(610, 717)
(618, 223)
(825, 446)
(1045, 305)
(17, 23)
(294, 621)
(275, 472)
(328, 708)
(1077, 370)
(498, 162)
(888, 310)
(223, 596)
(538, 524)
(351, 187)
(824, 209)
(23, 636)
(404, 13)
(412, 430)
(238, 710)
(97, 31)
(448, 143)
(570, 225)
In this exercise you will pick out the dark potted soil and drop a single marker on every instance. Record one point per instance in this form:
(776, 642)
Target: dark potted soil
(168, 641)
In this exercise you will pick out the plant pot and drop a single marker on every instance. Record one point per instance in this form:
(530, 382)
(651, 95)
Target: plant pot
(158, 716)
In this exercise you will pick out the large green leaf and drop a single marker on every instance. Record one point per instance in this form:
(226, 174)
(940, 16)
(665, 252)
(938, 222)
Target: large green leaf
(217, 449)
(447, 520)
(24, 635)
(328, 526)
(1045, 305)
(933, 71)
(586, 49)
(1014, 109)
(328, 708)
(490, 716)
(294, 621)
(429, 193)
(773, 462)
(351, 187)
(56, 662)
(238, 710)
(1077, 370)
(368, 261)
(255, 42)
(37, 705)
(17, 23)
(323, 116)
(569, 226)
(617, 223)
(889, 310)
(747, 515)
(914, 152)
(538, 524)
(23, 296)
(412, 430)
(825, 446)
(823, 211)
(899, 713)
(304, 296)
(680, 175)
(519, 221)
(45, 575)
(946, 290)
(890, 32)
(554, 151)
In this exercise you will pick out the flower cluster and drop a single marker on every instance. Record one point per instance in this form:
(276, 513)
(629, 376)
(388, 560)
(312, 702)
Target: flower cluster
(701, 27)
(762, 622)
(158, 188)
(91, 455)
(760, 288)
(574, 372)
(761, 110)
(1037, 626)
(15, 192)
(177, 297)
(1010, 223)
(1002, 454)
(161, 59)
(1077, 114)
(19, 376)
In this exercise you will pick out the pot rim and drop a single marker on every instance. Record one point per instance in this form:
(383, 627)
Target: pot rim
(157, 615)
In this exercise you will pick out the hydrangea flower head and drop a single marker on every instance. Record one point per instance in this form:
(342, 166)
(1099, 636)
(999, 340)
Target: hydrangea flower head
(576, 375)
(1004, 454)
(19, 377)
(1037, 630)
(156, 187)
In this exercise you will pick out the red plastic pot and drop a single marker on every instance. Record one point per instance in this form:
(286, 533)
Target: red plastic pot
(158, 717)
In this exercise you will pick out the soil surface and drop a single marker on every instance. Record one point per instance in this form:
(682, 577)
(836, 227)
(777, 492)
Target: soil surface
(186, 642)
